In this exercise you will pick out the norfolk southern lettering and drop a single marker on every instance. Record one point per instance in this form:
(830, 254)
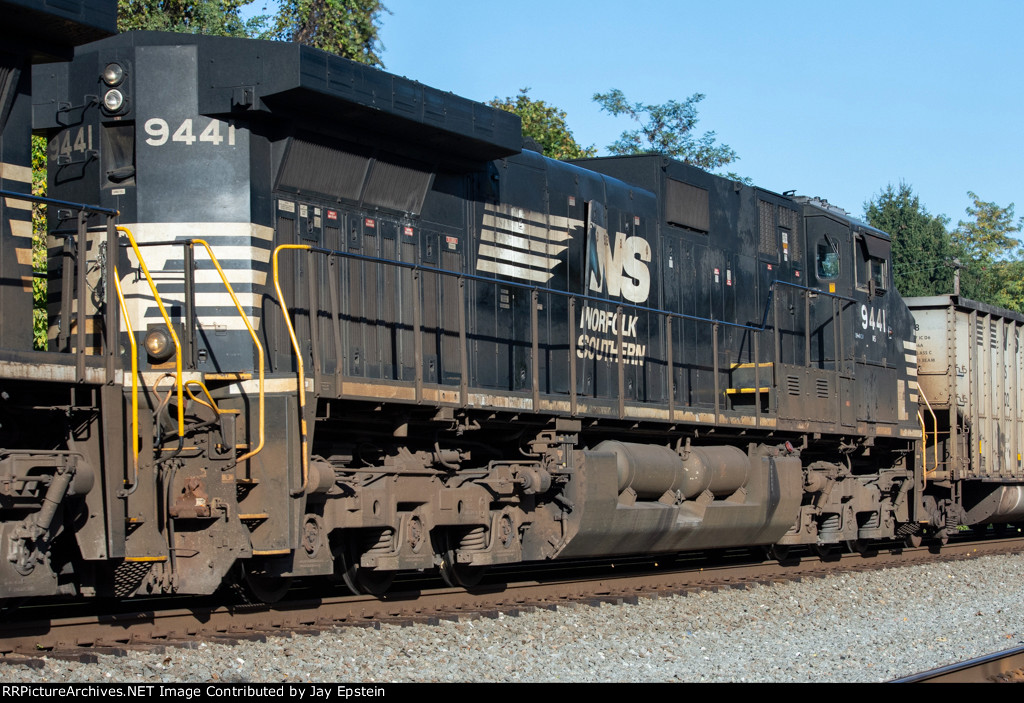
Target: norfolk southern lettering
(620, 269)
(609, 325)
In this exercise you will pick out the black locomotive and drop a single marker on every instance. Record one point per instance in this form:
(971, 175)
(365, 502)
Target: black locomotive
(319, 320)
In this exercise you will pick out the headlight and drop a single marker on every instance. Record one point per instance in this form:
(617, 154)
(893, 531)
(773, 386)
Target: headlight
(113, 74)
(159, 344)
(113, 100)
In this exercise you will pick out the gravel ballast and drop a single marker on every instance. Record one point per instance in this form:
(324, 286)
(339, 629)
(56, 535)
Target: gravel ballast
(853, 627)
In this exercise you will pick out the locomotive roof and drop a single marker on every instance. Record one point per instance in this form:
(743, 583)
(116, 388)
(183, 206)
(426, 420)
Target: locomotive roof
(648, 170)
(858, 225)
(239, 75)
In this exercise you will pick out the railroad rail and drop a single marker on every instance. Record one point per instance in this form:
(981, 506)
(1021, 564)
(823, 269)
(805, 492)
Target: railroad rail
(166, 622)
(1001, 667)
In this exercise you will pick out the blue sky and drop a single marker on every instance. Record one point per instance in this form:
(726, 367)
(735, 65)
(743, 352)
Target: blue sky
(834, 99)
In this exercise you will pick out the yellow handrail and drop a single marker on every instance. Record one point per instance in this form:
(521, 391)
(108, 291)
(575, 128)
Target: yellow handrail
(211, 405)
(255, 340)
(135, 375)
(935, 428)
(924, 449)
(179, 385)
(298, 358)
(170, 329)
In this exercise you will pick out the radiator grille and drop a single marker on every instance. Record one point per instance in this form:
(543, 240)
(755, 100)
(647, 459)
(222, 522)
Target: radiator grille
(766, 224)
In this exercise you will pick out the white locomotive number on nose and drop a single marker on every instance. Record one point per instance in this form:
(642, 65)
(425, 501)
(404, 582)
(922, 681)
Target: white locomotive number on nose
(870, 318)
(159, 132)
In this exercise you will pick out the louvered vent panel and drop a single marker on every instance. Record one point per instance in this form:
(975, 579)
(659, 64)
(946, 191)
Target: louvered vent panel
(323, 169)
(687, 206)
(396, 187)
(793, 385)
(821, 388)
(766, 226)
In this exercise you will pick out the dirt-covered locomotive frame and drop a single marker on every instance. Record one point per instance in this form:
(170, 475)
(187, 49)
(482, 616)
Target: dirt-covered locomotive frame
(371, 334)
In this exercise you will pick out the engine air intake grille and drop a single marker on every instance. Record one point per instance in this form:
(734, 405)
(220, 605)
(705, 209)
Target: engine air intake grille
(323, 169)
(687, 206)
(396, 186)
(340, 171)
(821, 388)
(793, 385)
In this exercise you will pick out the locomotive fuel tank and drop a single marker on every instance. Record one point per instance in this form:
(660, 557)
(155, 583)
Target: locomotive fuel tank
(735, 499)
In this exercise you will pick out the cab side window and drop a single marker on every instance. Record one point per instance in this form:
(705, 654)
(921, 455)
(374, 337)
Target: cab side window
(872, 263)
(827, 260)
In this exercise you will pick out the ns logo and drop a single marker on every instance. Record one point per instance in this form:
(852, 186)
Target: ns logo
(619, 268)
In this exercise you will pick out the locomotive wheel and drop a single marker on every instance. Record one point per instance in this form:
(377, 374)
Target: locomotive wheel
(823, 550)
(861, 546)
(914, 540)
(369, 582)
(455, 574)
(265, 589)
(778, 552)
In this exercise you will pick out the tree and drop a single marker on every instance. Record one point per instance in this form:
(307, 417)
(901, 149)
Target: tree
(39, 321)
(348, 28)
(545, 124)
(992, 257)
(922, 250)
(217, 17)
(666, 129)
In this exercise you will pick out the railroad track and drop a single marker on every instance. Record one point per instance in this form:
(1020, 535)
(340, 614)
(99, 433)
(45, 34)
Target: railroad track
(165, 622)
(1002, 667)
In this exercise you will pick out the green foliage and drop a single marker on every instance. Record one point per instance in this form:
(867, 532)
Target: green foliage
(666, 129)
(216, 17)
(347, 28)
(39, 325)
(922, 251)
(992, 257)
(545, 124)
